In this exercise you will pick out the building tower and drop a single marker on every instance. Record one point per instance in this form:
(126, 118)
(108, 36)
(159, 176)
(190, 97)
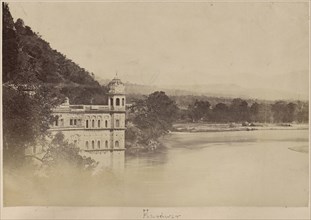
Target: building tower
(116, 104)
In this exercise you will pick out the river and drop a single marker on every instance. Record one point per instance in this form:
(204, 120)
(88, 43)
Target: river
(236, 168)
(242, 168)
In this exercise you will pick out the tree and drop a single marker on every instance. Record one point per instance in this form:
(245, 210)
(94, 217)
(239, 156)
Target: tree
(64, 157)
(153, 115)
(26, 118)
(265, 113)
(254, 112)
(291, 111)
(302, 115)
(279, 111)
(200, 110)
(239, 110)
(221, 113)
(9, 45)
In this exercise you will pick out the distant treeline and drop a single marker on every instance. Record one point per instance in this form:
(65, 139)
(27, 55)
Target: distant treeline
(240, 110)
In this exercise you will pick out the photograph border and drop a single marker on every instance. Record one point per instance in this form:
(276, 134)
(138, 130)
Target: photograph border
(155, 212)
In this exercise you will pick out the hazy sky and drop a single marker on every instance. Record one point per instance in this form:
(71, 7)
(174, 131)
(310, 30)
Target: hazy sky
(248, 44)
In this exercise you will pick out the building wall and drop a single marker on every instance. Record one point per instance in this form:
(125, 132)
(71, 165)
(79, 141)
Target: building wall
(92, 131)
(79, 120)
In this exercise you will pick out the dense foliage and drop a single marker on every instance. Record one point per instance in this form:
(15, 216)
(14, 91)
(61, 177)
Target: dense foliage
(36, 78)
(29, 60)
(64, 157)
(150, 118)
(240, 111)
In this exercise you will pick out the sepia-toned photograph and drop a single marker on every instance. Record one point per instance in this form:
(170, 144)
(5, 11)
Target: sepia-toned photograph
(155, 104)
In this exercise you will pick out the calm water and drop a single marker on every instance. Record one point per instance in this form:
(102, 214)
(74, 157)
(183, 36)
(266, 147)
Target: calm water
(255, 168)
(241, 168)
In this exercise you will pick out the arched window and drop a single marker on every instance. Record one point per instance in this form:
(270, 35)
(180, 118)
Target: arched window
(106, 144)
(117, 102)
(75, 142)
(56, 122)
(116, 144)
(93, 145)
(87, 145)
(87, 123)
(93, 123)
(98, 144)
(106, 124)
(98, 123)
(117, 123)
(123, 102)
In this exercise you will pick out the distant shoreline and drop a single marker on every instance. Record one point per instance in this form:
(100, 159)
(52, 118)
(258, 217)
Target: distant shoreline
(227, 127)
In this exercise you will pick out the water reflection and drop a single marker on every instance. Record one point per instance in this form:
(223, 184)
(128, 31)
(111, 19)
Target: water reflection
(146, 160)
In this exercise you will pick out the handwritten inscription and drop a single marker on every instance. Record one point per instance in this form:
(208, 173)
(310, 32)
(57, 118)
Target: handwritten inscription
(147, 214)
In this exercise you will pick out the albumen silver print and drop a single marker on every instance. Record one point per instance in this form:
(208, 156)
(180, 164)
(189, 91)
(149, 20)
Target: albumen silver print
(155, 104)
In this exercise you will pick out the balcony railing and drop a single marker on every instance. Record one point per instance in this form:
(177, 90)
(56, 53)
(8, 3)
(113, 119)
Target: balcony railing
(81, 108)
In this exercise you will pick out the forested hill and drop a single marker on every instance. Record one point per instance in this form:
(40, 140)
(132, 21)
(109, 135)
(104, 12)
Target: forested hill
(29, 60)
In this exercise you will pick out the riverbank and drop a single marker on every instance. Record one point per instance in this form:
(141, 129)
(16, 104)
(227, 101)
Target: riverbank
(207, 127)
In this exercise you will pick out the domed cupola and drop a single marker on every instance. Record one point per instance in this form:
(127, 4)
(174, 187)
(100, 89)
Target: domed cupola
(116, 95)
(116, 86)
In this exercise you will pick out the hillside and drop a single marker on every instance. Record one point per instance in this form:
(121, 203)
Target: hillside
(29, 60)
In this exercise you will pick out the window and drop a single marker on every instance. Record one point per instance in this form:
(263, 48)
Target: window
(93, 123)
(87, 123)
(34, 149)
(71, 122)
(106, 144)
(117, 123)
(98, 144)
(87, 145)
(117, 102)
(116, 144)
(75, 121)
(123, 102)
(56, 122)
(75, 142)
(62, 122)
(98, 123)
(93, 145)
(111, 101)
(106, 124)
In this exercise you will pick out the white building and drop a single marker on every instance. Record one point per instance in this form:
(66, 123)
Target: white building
(95, 129)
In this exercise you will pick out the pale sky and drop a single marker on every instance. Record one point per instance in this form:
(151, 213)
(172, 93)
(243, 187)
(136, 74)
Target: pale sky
(248, 44)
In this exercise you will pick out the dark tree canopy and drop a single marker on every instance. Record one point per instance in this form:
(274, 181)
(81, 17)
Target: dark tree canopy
(240, 111)
(153, 115)
(199, 110)
(9, 45)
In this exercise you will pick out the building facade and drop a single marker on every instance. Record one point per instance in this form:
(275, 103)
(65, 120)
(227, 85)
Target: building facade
(95, 129)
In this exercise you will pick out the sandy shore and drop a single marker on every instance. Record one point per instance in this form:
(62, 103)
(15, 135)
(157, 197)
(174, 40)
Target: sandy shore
(206, 127)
